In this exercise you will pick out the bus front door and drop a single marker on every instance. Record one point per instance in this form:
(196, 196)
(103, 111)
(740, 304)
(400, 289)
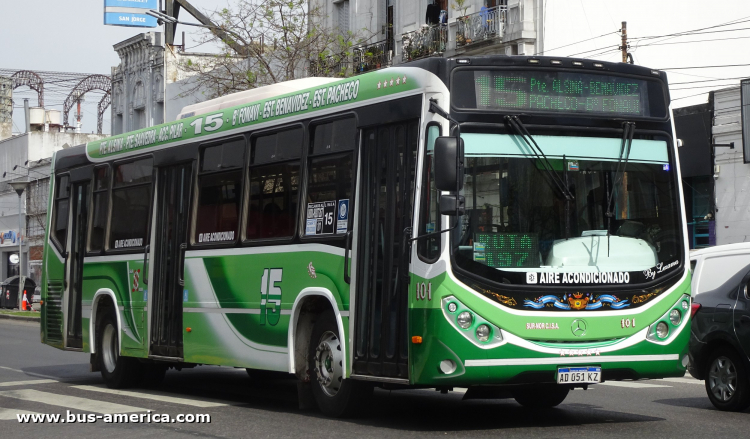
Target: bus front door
(170, 242)
(388, 159)
(80, 206)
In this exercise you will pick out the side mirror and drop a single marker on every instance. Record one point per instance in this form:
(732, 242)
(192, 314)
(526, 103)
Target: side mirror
(449, 164)
(452, 205)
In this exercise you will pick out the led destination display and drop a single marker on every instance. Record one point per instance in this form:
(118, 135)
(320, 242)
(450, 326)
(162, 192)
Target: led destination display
(507, 249)
(551, 91)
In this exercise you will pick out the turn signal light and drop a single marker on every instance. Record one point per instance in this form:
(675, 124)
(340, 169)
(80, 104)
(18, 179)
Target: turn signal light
(694, 309)
(189, 329)
(416, 339)
(41, 302)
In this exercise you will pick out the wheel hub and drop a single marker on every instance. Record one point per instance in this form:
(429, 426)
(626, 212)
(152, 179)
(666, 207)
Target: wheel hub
(722, 379)
(110, 349)
(328, 363)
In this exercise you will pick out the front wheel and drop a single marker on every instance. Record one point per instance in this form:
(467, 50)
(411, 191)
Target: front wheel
(541, 397)
(727, 381)
(118, 372)
(334, 395)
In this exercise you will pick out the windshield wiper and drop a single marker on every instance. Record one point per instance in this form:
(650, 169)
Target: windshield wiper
(628, 130)
(521, 130)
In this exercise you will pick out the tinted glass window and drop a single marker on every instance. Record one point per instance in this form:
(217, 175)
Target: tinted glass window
(217, 216)
(62, 196)
(224, 156)
(130, 215)
(277, 147)
(131, 201)
(429, 221)
(100, 199)
(134, 172)
(274, 189)
(339, 135)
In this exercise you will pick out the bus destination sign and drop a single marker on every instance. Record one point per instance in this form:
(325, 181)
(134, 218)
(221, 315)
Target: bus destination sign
(550, 91)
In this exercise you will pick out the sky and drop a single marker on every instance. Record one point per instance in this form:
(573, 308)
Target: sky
(69, 36)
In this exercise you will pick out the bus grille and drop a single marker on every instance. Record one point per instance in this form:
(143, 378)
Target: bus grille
(53, 306)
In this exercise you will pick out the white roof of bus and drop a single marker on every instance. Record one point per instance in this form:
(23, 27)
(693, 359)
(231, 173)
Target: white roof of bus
(256, 94)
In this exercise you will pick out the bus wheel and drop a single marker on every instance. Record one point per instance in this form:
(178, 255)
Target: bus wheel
(727, 382)
(335, 396)
(118, 372)
(541, 397)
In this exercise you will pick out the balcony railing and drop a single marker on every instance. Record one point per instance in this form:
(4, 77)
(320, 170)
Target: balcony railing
(372, 57)
(480, 26)
(424, 42)
(361, 59)
(333, 66)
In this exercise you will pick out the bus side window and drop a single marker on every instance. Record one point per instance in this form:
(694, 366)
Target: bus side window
(131, 201)
(274, 185)
(428, 249)
(99, 208)
(62, 205)
(219, 192)
(329, 180)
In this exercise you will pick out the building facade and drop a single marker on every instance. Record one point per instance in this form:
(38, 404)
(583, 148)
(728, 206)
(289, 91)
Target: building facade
(26, 157)
(398, 32)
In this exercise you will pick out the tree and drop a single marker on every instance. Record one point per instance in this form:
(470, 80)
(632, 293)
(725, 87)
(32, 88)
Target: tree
(272, 40)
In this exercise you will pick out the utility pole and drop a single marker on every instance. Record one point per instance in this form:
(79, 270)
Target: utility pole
(624, 47)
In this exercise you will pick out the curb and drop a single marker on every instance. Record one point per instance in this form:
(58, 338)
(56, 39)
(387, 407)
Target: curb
(20, 318)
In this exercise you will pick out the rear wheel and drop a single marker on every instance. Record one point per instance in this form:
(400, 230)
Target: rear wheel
(541, 397)
(118, 372)
(727, 381)
(334, 395)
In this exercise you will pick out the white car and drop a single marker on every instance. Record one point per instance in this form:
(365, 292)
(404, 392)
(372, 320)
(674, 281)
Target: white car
(712, 266)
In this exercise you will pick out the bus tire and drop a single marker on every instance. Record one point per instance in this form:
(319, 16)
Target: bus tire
(726, 371)
(540, 397)
(335, 396)
(118, 371)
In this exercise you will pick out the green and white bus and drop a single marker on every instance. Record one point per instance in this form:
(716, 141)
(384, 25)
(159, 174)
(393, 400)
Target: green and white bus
(339, 230)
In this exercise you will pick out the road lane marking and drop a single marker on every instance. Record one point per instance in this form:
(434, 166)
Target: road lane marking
(684, 380)
(28, 373)
(26, 382)
(10, 414)
(155, 397)
(631, 384)
(70, 402)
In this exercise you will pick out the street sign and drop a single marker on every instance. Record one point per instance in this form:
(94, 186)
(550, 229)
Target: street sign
(130, 13)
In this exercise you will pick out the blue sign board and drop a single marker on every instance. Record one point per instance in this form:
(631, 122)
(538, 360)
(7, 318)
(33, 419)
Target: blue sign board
(140, 4)
(129, 19)
(131, 13)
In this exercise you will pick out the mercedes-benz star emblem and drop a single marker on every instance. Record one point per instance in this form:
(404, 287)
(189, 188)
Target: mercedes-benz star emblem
(578, 327)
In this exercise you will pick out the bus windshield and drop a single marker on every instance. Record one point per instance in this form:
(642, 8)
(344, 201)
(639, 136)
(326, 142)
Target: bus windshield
(517, 221)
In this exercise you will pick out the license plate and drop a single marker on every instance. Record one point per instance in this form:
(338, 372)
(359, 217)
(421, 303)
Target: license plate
(579, 375)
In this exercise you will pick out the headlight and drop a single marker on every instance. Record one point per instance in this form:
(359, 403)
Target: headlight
(464, 319)
(685, 305)
(452, 307)
(483, 332)
(662, 330)
(675, 317)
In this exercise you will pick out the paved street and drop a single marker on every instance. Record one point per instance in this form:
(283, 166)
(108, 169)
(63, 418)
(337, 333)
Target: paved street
(40, 379)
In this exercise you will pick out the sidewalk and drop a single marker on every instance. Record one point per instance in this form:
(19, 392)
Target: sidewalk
(22, 316)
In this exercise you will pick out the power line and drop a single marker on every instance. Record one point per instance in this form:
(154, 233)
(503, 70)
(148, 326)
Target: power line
(706, 67)
(708, 80)
(691, 96)
(697, 33)
(697, 41)
(577, 42)
(678, 34)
